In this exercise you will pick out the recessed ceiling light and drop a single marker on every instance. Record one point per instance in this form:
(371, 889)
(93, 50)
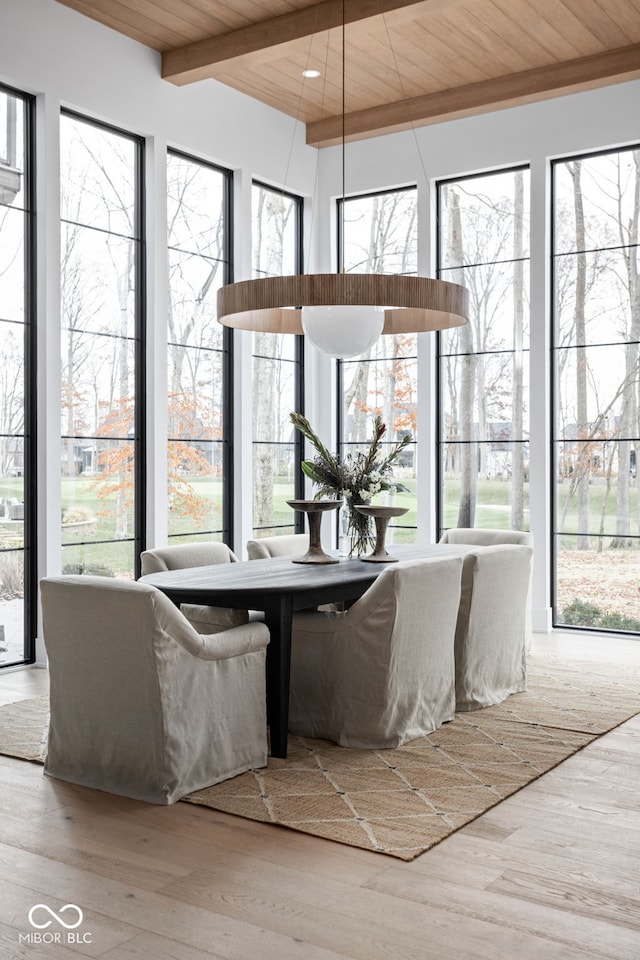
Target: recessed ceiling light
(312, 74)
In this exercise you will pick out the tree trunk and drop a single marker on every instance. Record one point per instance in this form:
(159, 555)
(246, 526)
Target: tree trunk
(583, 444)
(355, 399)
(467, 446)
(265, 387)
(264, 427)
(634, 291)
(629, 415)
(70, 444)
(517, 410)
(124, 395)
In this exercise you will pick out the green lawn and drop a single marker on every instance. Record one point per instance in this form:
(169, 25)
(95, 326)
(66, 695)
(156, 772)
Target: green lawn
(493, 504)
(79, 495)
(597, 501)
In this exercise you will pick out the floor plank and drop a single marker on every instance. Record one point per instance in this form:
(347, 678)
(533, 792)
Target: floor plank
(549, 874)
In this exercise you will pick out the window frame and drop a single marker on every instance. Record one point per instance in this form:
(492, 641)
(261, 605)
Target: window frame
(227, 354)
(554, 441)
(298, 360)
(139, 336)
(439, 441)
(339, 363)
(30, 342)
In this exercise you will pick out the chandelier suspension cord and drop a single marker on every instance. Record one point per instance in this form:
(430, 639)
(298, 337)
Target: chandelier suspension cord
(298, 109)
(316, 176)
(404, 97)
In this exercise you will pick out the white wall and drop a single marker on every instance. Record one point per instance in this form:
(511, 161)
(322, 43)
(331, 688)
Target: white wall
(48, 48)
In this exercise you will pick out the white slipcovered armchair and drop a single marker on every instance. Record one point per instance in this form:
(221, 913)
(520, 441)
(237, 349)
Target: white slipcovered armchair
(491, 632)
(489, 537)
(382, 673)
(286, 546)
(141, 704)
(202, 554)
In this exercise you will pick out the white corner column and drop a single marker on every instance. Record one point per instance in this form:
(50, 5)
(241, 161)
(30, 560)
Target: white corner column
(49, 495)
(156, 341)
(540, 461)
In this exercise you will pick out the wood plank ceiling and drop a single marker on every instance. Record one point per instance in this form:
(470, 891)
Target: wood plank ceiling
(404, 63)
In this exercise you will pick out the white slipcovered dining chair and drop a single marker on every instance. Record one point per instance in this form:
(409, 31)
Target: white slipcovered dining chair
(286, 546)
(141, 704)
(491, 629)
(382, 673)
(488, 537)
(203, 554)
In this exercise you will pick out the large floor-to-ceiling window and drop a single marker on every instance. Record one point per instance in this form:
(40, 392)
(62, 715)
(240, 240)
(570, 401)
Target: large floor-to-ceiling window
(483, 243)
(596, 283)
(379, 235)
(198, 451)
(17, 380)
(102, 331)
(277, 368)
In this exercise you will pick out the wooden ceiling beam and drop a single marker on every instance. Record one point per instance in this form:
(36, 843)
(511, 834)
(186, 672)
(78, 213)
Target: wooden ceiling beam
(540, 83)
(196, 61)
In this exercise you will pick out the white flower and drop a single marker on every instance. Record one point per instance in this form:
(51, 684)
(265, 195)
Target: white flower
(371, 489)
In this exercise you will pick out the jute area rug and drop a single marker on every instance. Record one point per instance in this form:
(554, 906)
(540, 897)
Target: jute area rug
(402, 802)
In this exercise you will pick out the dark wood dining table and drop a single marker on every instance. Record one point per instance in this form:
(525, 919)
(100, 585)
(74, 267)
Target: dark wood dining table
(278, 587)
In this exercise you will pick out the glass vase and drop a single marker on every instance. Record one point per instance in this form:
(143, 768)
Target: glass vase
(344, 534)
(356, 530)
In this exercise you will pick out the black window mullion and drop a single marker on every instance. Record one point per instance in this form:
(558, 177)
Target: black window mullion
(228, 382)
(140, 379)
(300, 378)
(30, 382)
(297, 520)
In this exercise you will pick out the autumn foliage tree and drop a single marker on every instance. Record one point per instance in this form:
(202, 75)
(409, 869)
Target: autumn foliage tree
(115, 461)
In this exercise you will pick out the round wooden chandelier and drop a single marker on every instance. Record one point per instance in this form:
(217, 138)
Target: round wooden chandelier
(339, 323)
(410, 304)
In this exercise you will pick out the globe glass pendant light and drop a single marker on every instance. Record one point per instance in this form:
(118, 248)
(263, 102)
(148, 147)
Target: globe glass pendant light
(342, 331)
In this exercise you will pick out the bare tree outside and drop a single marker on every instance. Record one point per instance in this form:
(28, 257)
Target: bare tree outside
(197, 232)
(99, 255)
(597, 422)
(380, 236)
(484, 243)
(518, 466)
(275, 367)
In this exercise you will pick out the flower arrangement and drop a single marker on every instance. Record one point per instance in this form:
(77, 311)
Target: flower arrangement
(356, 477)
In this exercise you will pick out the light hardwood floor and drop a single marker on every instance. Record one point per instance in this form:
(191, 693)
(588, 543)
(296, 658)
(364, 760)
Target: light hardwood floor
(550, 874)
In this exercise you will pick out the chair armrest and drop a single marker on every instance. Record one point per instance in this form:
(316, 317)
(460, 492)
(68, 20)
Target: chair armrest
(333, 621)
(236, 642)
